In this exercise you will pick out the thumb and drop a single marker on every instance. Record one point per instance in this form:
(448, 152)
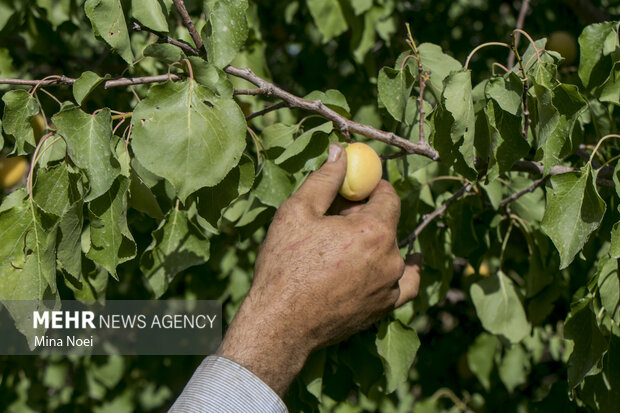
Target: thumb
(321, 187)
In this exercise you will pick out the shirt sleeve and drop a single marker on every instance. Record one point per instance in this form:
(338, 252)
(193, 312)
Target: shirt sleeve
(221, 385)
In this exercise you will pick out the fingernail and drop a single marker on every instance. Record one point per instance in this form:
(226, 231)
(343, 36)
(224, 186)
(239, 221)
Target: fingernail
(335, 151)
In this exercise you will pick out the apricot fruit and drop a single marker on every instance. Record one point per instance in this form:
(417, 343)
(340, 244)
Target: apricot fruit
(38, 126)
(565, 44)
(12, 170)
(363, 172)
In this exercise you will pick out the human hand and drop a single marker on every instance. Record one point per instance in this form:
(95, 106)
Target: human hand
(319, 279)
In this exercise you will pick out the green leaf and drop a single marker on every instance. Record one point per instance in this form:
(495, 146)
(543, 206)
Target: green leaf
(151, 14)
(19, 108)
(594, 61)
(574, 211)
(397, 345)
(394, 87)
(184, 133)
(56, 189)
(361, 6)
(589, 344)
(142, 198)
(455, 124)
(91, 286)
(164, 52)
(58, 11)
(85, 84)
(214, 200)
(480, 356)
(111, 243)
(210, 76)
(333, 99)
(69, 250)
(27, 261)
(108, 21)
(515, 367)
(437, 62)
(508, 144)
(609, 284)
(558, 111)
(177, 245)
(304, 140)
(312, 373)
(507, 92)
(504, 107)
(274, 184)
(88, 139)
(328, 17)
(226, 31)
(614, 249)
(499, 307)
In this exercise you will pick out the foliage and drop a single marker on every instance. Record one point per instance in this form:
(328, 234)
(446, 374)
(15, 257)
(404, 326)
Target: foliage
(168, 189)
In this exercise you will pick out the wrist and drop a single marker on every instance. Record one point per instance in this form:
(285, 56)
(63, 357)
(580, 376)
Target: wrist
(264, 344)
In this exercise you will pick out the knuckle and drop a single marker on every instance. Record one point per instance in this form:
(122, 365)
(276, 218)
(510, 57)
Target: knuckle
(290, 210)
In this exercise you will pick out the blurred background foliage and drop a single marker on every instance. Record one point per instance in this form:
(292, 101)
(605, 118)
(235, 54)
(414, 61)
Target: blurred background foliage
(345, 52)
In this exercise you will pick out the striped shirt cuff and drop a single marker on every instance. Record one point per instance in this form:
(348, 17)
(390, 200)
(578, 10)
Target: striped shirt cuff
(221, 385)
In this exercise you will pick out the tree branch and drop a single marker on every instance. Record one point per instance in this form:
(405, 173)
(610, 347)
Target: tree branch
(184, 46)
(129, 81)
(345, 125)
(428, 218)
(266, 110)
(520, 21)
(524, 191)
(60, 81)
(187, 20)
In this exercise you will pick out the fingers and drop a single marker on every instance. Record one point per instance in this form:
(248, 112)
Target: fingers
(344, 207)
(321, 187)
(384, 204)
(409, 283)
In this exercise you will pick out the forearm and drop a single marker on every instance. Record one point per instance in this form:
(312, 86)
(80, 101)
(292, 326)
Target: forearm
(274, 352)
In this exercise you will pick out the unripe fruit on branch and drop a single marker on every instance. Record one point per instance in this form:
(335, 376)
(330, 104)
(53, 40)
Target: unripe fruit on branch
(363, 172)
(12, 170)
(565, 44)
(38, 126)
(483, 270)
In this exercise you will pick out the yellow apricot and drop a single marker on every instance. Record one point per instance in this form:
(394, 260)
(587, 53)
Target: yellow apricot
(565, 44)
(12, 170)
(484, 270)
(38, 126)
(363, 172)
(469, 271)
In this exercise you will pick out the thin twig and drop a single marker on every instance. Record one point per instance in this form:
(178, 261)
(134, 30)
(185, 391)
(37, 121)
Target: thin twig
(129, 81)
(184, 46)
(428, 218)
(266, 110)
(526, 85)
(520, 21)
(524, 191)
(422, 79)
(187, 20)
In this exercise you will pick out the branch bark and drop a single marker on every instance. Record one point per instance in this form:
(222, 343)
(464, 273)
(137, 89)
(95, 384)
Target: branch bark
(187, 20)
(520, 21)
(266, 110)
(345, 125)
(428, 218)
(524, 191)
